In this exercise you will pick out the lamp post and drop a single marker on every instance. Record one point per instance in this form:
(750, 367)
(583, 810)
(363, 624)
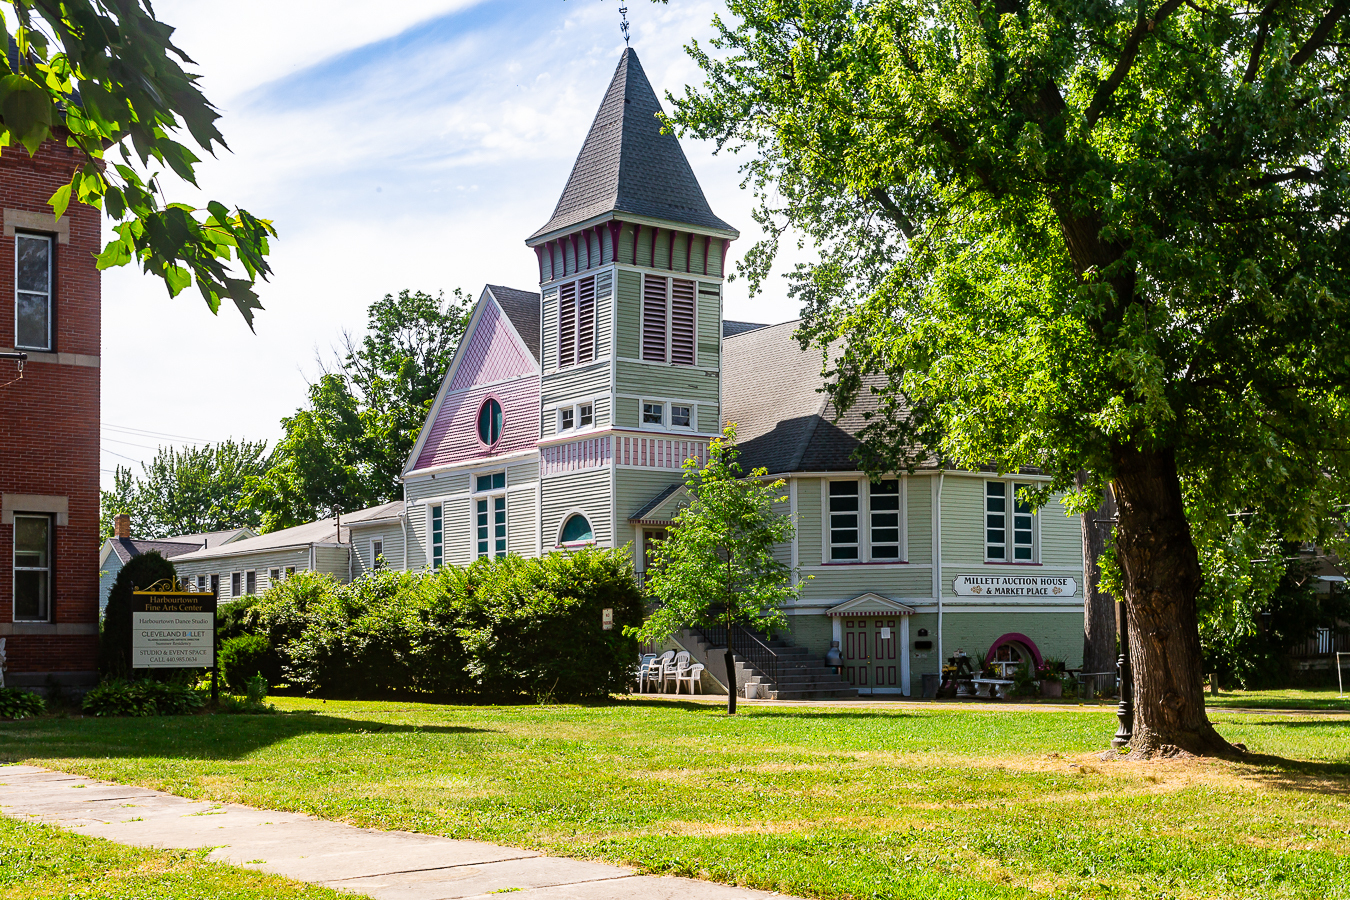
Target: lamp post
(1125, 710)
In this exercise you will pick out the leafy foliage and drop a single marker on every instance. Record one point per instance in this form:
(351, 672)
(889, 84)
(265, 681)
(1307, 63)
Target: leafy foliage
(244, 656)
(16, 703)
(108, 77)
(187, 491)
(114, 645)
(347, 448)
(500, 627)
(143, 697)
(717, 566)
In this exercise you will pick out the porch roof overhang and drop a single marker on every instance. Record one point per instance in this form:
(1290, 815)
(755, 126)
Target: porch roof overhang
(870, 604)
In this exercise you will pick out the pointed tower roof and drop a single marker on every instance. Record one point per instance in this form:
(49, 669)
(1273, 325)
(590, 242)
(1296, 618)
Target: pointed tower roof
(627, 165)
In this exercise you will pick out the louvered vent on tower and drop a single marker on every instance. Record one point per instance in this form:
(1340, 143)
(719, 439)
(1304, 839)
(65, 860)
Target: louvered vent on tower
(567, 325)
(682, 322)
(586, 320)
(654, 319)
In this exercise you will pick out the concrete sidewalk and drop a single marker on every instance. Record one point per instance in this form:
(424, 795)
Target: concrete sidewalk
(386, 865)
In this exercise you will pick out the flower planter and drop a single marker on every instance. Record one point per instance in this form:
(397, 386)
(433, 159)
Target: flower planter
(1052, 689)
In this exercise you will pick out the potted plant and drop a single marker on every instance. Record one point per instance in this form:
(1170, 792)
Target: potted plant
(1051, 675)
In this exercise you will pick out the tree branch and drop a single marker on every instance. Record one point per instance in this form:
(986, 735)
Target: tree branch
(1107, 88)
(1320, 34)
(1259, 46)
(893, 212)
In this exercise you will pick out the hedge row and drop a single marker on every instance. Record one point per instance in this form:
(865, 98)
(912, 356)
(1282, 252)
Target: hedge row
(499, 628)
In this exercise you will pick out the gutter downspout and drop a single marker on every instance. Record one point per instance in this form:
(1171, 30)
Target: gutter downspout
(937, 572)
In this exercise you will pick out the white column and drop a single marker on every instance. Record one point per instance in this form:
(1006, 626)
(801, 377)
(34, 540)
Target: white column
(836, 630)
(904, 655)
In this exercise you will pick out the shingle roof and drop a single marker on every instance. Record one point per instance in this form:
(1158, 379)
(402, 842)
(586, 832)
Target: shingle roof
(771, 389)
(212, 538)
(128, 548)
(522, 308)
(324, 531)
(626, 165)
(732, 327)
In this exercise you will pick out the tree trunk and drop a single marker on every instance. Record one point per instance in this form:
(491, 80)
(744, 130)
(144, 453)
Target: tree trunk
(1099, 615)
(1161, 573)
(731, 677)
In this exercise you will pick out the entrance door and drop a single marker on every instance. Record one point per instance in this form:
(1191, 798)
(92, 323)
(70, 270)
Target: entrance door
(870, 649)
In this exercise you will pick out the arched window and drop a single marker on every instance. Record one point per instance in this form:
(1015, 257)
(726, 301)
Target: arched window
(490, 422)
(576, 530)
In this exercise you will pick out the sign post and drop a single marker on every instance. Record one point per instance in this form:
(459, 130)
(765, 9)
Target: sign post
(174, 630)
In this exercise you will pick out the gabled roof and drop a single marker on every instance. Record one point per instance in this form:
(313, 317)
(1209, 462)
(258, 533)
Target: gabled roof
(324, 531)
(626, 165)
(522, 308)
(213, 538)
(773, 390)
(128, 548)
(871, 604)
(732, 327)
(660, 510)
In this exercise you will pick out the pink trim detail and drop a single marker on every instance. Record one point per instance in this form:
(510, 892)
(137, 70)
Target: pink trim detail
(478, 413)
(1014, 637)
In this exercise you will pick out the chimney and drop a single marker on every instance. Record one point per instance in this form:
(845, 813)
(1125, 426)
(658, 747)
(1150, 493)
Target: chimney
(122, 526)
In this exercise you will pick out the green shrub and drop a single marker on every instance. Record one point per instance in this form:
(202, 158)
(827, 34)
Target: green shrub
(232, 618)
(141, 698)
(20, 704)
(244, 656)
(502, 628)
(114, 645)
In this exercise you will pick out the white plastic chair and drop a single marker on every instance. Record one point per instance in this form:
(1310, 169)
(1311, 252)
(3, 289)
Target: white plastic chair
(641, 669)
(674, 669)
(694, 675)
(655, 670)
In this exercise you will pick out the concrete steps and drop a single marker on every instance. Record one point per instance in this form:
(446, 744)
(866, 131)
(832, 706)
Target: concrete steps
(801, 674)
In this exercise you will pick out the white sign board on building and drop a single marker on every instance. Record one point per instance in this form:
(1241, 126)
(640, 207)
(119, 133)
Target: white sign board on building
(1014, 586)
(173, 631)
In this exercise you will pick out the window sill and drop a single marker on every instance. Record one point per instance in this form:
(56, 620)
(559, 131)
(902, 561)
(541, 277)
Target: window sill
(875, 562)
(999, 562)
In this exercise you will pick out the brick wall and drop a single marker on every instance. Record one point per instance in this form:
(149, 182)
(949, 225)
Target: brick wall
(49, 425)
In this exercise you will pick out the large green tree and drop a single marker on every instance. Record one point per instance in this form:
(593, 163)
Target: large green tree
(717, 565)
(105, 77)
(187, 491)
(347, 448)
(1107, 236)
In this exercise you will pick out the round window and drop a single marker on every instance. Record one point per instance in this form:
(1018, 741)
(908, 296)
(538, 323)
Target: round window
(490, 422)
(576, 530)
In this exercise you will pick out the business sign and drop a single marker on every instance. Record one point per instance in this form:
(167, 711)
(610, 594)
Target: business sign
(173, 630)
(1014, 586)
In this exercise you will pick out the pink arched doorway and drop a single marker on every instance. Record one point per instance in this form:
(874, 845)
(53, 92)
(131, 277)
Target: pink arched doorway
(1013, 647)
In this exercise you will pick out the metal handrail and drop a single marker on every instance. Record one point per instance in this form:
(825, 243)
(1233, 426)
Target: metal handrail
(745, 644)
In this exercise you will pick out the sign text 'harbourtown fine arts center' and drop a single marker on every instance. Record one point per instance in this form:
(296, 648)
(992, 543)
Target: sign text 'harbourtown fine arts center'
(172, 630)
(1014, 586)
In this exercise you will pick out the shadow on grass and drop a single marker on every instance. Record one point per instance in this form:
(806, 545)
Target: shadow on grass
(1298, 775)
(791, 712)
(218, 737)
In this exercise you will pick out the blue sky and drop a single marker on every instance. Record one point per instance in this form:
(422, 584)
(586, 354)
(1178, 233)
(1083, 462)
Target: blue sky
(415, 150)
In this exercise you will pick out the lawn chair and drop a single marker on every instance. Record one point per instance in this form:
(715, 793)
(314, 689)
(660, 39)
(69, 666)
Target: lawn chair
(694, 675)
(643, 660)
(673, 669)
(655, 670)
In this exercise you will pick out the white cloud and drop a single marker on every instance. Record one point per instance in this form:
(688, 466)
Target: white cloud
(416, 149)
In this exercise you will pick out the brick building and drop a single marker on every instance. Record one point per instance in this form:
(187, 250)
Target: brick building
(49, 424)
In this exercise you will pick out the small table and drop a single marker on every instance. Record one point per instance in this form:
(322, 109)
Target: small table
(999, 686)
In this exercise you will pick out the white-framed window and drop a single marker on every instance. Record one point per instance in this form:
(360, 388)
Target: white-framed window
(681, 415)
(377, 553)
(885, 511)
(576, 322)
(576, 530)
(236, 584)
(32, 568)
(33, 292)
(576, 416)
(437, 536)
(843, 521)
(201, 583)
(1009, 524)
(677, 415)
(250, 582)
(273, 576)
(653, 413)
(290, 570)
(669, 320)
(215, 585)
(489, 514)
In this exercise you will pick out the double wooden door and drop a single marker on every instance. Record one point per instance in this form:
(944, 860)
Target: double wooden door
(871, 648)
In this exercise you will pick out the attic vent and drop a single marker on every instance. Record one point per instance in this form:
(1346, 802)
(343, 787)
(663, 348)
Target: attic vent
(682, 322)
(586, 320)
(654, 319)
(576, 322)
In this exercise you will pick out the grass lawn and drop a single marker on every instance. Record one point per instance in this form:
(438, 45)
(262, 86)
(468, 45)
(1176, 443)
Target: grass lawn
(1290, 699)
(38, 861)
(833, 802)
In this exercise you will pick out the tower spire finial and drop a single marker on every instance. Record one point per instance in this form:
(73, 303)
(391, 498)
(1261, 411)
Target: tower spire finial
(623, 24)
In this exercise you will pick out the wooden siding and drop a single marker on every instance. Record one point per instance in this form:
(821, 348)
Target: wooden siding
(522, 522)
(576, 383)
(331, 560)
(634, 489)
(638, 379)
(630, 312)
(391, 533)
(808, 522)
(837, 583)
(626, 412)
(549, 331)
(709, 325)
(454, 435)
(919, 522)
(585, 491)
